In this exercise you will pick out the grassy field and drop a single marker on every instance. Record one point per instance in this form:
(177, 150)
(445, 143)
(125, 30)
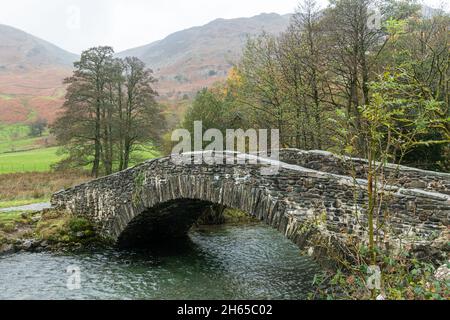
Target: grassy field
(20, 189)
(9, 132)
(20, 145)
(26, 178)
(16, 138)
(21, 153)
(26, 175)
(39, 160)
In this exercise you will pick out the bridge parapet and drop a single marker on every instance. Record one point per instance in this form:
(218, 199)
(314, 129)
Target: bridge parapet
(406, 177)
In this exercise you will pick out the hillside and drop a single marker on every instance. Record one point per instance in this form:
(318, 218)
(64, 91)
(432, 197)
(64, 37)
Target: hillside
(32, 70)
(188, 60)
(31, 74)
(20, 51)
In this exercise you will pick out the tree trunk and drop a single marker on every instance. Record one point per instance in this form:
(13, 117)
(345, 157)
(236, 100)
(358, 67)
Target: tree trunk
(97, 147)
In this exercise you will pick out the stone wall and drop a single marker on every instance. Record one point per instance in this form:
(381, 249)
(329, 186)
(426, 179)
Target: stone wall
(406, 177)
(162, 198)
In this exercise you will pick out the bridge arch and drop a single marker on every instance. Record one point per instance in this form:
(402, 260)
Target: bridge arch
(167, 207)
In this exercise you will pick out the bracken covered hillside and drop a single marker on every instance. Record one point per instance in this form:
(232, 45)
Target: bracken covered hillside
(188, 60)
(31, 75)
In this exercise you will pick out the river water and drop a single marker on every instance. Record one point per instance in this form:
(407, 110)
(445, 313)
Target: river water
(228, 262)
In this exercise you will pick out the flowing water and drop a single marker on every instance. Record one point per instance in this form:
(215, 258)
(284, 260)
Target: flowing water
(228, 262)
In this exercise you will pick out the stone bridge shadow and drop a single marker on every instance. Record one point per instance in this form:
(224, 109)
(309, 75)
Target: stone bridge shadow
(160, 199)
(168, 222)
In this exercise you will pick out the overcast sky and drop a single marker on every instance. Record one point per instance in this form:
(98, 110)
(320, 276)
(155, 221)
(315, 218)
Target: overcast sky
(76, 25)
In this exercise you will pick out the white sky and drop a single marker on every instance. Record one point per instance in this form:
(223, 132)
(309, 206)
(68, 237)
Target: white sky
(76, 25)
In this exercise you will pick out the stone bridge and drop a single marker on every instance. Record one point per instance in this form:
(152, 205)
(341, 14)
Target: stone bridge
(313, 196)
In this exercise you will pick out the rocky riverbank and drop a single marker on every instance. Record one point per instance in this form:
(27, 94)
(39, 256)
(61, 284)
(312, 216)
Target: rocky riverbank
(46, 230)
(52, 230)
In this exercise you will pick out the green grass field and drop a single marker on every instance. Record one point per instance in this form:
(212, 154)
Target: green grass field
(19, 145)
(10, 132)
(19, 153)
(14, 138)
(39, 160)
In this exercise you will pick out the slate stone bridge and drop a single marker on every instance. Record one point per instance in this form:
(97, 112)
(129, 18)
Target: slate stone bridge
(313, 196)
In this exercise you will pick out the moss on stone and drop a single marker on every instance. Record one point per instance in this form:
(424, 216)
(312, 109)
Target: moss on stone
(139, 180)
(61, 227)
(237, 216)
(77, 224)
(12, 221)
(48, 230)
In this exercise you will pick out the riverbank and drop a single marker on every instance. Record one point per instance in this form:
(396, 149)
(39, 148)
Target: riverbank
(53, 230)
(47, 230)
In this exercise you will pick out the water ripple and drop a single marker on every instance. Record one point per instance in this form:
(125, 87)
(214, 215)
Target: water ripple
(231, 262)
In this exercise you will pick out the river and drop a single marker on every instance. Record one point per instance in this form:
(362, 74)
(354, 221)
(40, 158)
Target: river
(227, 262)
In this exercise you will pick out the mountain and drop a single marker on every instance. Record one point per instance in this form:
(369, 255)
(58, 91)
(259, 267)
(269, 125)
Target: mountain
(22, 51)
(188, 60)
(32, 70)
(31, 75)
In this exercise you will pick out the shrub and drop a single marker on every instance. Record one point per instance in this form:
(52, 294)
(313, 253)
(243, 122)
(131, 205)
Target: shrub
(403, 277)
(77, 224)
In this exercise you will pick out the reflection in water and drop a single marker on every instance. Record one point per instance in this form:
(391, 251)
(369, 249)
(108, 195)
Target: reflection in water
(230, 262)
